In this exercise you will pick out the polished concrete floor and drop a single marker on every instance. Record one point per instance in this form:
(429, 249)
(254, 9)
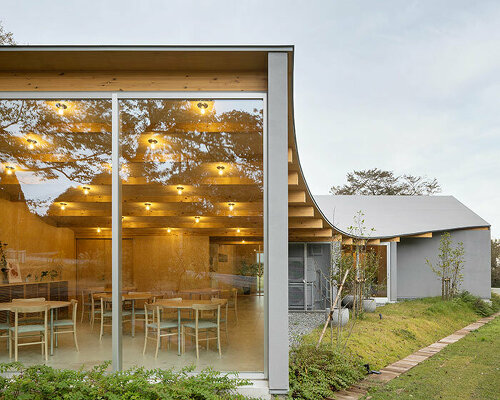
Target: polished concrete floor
(243, 351)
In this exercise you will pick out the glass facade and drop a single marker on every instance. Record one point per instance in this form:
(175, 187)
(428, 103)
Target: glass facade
(192, 228)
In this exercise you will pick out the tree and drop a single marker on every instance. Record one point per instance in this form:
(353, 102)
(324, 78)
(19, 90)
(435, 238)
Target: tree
(495, 263)
(379, 182)
(449, 266)
(6, 38)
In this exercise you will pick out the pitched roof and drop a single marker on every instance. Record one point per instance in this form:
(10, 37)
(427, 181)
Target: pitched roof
(399, 215)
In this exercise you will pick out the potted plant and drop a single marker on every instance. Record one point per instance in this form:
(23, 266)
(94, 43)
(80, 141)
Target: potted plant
(4, 266)
(255, 270)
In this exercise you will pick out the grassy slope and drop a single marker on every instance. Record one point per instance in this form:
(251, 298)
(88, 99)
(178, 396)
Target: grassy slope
(468, 369)
(404, 328)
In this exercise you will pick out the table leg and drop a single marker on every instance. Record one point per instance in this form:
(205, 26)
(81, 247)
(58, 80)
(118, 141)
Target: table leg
(51, 332)
(133, 318)
(178, 331)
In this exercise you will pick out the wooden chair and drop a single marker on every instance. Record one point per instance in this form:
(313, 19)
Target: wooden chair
(87, 300)
(224, 304)
(139, 311)
(17, 331)
(67, 323)
(106, 313)
(95, 307)
(156, 325)
(232, 298)
(200, 325)
(34, 318)
(5, 332)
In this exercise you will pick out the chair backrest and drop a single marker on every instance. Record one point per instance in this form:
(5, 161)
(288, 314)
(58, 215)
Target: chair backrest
(74, 306)
(145, 293)
(14, 301)
(216, 300)
(175, 299)
(154, 309)
(27, 309)
(105, 302)
(207, 307)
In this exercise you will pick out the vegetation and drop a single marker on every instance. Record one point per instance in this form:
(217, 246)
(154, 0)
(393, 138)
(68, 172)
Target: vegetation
(407, 326)
(6, 38)
(495, 263)
(41, 382)
(467, 369)
(379, 182)
(449, 266)
(317, 373)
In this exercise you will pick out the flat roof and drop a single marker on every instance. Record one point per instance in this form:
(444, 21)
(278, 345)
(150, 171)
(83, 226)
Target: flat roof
(393, 216)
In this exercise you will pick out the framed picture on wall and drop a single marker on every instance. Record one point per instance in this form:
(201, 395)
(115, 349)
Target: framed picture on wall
(14, 274)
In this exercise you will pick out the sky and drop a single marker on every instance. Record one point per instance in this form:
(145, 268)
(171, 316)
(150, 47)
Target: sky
(408, 86)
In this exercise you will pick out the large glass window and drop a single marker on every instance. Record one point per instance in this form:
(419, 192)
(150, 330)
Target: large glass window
(192, 230)
(55, 220)
(192, 184)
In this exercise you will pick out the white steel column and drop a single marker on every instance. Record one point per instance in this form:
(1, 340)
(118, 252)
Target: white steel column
(276, 227)
(116, 245)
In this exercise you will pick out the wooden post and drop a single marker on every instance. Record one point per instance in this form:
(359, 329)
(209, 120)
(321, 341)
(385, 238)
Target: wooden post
(331, 309)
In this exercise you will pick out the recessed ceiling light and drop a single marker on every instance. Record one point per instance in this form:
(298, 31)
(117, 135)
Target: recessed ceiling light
(63, 206)
(153, 143)
(98, 230)
(60, 108)
(86, 189)
(197, 219)
(221, 169)
(148, 206)
(9, 169)
(231, 206)
(31, 143)
(203, 107)
(179, 189)
(169, 230)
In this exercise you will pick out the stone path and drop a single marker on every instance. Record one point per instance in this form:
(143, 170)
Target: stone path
(399, 367)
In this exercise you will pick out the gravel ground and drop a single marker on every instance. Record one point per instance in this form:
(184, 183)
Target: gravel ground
(300, 323)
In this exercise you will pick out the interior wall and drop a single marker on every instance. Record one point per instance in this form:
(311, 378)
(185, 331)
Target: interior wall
(172, 262)
(94, 262)
(36, 245)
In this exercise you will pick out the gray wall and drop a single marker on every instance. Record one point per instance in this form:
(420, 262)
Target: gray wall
(415, 278)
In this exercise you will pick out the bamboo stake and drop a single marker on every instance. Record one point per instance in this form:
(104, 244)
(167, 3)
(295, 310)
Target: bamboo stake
(332, 308)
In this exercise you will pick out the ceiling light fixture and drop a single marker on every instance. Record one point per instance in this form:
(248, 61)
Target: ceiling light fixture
(242, 241)
(179, 189)
(153, 143)
(148, 206)
(86, 190)
(9, 169)
(63, 206)
(98, 230)
(238, 230)
(231, 206)
(203, 107)
(221, 169)
(31, 143)
(169, 230)
(197, 219)
(60, 108)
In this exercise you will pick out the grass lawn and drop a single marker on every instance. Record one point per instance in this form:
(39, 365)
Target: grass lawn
(467, 369)
(404, 328)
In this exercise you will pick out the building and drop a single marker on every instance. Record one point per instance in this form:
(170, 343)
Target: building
(133, 174)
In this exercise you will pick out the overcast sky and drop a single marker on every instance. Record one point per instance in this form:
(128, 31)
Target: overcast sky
(411, 86)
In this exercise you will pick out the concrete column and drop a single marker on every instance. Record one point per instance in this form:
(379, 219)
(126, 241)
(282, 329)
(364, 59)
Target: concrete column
(276, 223)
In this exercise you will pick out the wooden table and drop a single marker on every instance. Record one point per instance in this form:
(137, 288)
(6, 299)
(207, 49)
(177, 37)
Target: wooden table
(200, 292)
(179, 305)
(53, 305)
(132, 297)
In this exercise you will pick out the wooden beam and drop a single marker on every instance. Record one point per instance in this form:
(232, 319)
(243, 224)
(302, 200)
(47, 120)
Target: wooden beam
(479, 228)
(297, 197)
(347, 241)
(394, 239)
(305, 223)
(304, 233)
(133, 81)
(293, 178)
(374, 241)
(421, 235)
(290, 157)
(306, 211)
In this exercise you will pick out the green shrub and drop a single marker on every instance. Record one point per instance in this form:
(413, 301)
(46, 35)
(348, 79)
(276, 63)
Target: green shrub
(495, 302)
(41, 382)
(479, 306)
(316, 374)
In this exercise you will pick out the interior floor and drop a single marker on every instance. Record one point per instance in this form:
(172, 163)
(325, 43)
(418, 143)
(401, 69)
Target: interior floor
(242, 351)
